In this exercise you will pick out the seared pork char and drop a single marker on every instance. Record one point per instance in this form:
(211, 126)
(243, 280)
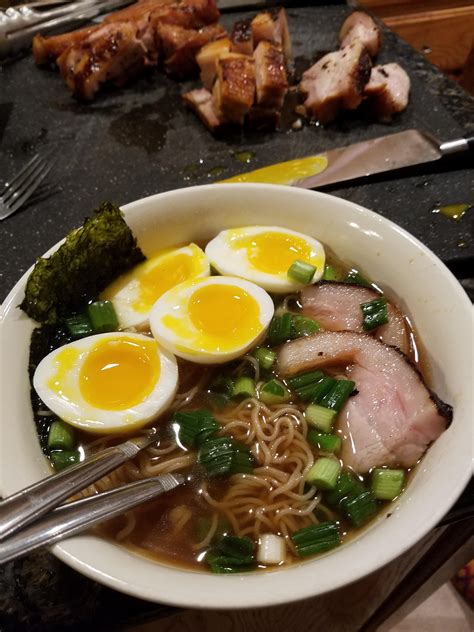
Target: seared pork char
(388, 90)
(361, 26)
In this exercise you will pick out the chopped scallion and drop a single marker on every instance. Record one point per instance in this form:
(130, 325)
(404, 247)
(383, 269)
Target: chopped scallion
(280, 329)
(331, 273)
(374, 313)
(304, 379)
(266, 357)
(316, 538)
(361, 508)
(274, 392)
(194, 427)
(325, 442)
(223, 455)
(320, 417)
(102, 316)
(61, 436)
(324, 473)
(231, 554)
(348, 486)
(244, 387)
(337, 396)
(387, 484)
(356, 278)
(62, 459)
(321, 389)
(301, 271)
(303, 326)
(79, 326)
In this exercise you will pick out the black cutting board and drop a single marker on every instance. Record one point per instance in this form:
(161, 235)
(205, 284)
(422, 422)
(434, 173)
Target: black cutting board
(141, 140)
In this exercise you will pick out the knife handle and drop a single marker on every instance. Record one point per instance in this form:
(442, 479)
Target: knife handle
(457, 146)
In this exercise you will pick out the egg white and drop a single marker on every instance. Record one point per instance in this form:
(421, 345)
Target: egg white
(75, 410)
(232, 261)
(190, 346)
(126, 292)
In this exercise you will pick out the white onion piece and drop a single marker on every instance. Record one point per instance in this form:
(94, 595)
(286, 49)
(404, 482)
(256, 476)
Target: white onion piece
(271, 549)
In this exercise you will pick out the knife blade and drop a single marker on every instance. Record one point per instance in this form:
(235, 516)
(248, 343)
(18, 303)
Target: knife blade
(376, 155)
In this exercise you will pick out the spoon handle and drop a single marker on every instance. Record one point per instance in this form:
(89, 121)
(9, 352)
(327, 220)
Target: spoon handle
(76, 516)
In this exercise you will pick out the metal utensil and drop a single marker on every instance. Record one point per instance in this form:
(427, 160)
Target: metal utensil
(76, 516)
(24, 184)
(22, 508)
(377, 155)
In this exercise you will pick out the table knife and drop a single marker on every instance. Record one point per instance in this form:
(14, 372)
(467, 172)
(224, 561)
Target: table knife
(369, 157)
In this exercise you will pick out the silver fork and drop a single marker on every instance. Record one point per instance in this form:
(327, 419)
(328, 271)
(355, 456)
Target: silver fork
(24, 184)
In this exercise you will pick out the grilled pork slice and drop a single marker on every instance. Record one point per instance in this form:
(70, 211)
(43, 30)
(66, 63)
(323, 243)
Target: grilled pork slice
(201, 102)
(272, 26)
(242, 37)
(234, 87)
(113, 52)
(336, 307)
(208, 57)
(336, 82)
(388, 90)
(270, 75)
(48, 49)
(393, 417)
(180, 46)
(360, 26)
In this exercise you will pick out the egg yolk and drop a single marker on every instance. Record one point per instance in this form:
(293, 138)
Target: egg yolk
(120, 373)
(273, 252)
(225, 311)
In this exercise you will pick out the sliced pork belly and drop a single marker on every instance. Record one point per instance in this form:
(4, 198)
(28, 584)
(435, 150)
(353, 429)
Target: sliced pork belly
(180, 46)
(361, 26)
(234, 88)
(113, 52)
(201, 102)
(393, 417)
(208, 57)
(242, 37)
(272, 26)
(137, 10)
(270, 75)
(336, 307)
(388, 90)
(48, 49)
(336, 82)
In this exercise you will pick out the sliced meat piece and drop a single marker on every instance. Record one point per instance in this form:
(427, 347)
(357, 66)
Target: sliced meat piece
(336, 82)
(180, 46)
(270, 75)
(336, 307)
(137, 11)
(201, 102)
(48, 49)
(361, 26)
(242, 37)
(207, 59)
(393, 417)
(272, 26)
(204, 11)
(388, 90)
(234, 87)
(111, 53)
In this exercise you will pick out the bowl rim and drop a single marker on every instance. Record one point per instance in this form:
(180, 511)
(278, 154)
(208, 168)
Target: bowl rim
(74, 551)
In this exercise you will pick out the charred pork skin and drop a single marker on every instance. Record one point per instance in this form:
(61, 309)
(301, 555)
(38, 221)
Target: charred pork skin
(270, 75)
(234, 87)
(361, 26)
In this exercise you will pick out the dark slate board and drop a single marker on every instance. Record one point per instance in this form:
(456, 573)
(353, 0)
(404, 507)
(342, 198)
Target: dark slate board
(141, 140)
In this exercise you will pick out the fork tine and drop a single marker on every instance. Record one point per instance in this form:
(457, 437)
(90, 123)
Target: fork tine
(33, 185)
(29, 165)
(14, 193)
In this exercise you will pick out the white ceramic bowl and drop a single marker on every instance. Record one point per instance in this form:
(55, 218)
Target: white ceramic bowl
(408, 271)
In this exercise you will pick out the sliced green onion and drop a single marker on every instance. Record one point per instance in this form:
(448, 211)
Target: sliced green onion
(222, 385)
(331, 273)
(223, 455)
(102, 316)
(361, 508)
(303, 326)
(61, 436)
(316, 538)
(386, 483)
(280, 328)
(356, 278)
(194, 427)
(231, 554)
(348, 486)
(320, 417)
(325, 442)
(374, 313)
(322, 388)
(64, 458)
(266, 357)
(274, 392)
(79, 326)
(337, 396)
(301, 271)
(304, 379)
(324, 473)
(244, 387)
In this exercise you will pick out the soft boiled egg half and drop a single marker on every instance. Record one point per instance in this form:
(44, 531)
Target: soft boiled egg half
(211, 320)
(134, 293)
(108, 382)
(264, 254)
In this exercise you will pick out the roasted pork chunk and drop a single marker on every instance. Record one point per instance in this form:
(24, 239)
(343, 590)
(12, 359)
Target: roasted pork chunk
(272, 26)
(242, 37)
(270, 75)
(388, 90)
(336, 82)
(208, 57)
(361, 26)
(201, 102)
(234, 87)
(48, 49)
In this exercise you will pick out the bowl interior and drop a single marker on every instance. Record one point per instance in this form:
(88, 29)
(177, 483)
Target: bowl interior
(406, 270)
